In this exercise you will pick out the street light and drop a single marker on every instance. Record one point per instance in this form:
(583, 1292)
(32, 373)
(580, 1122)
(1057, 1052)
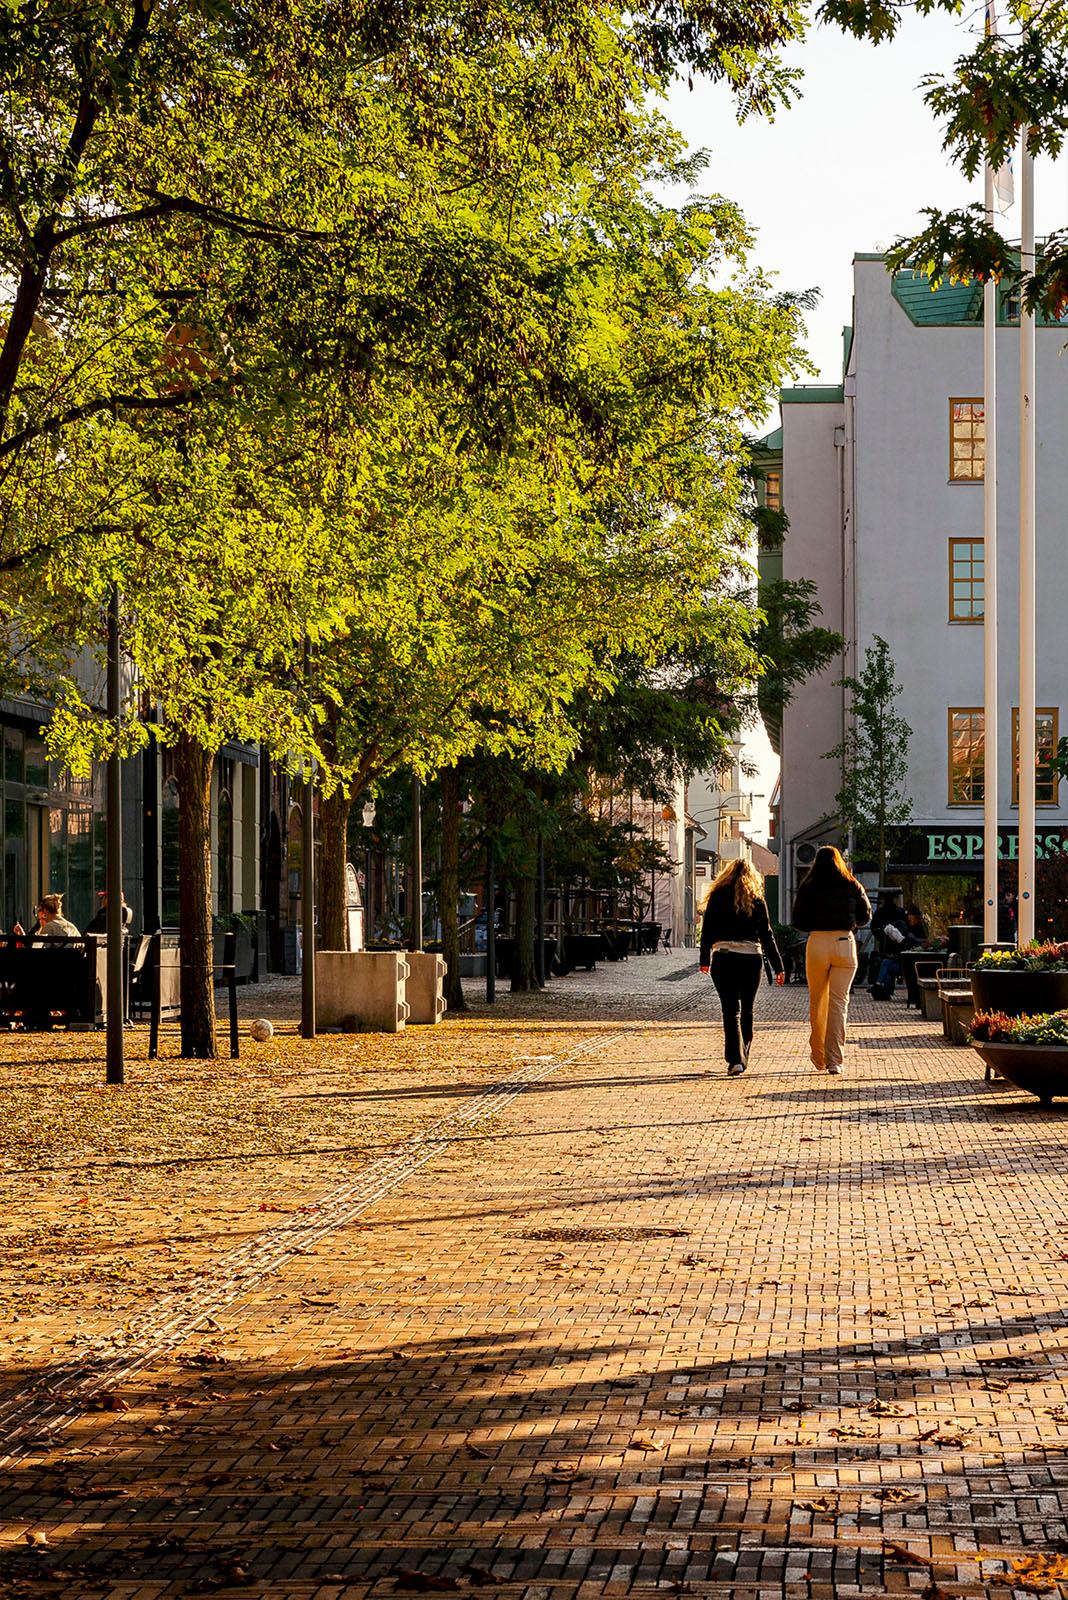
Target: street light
(367, 816)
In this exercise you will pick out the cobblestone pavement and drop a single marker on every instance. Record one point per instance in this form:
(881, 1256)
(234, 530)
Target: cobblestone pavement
(637, 1329)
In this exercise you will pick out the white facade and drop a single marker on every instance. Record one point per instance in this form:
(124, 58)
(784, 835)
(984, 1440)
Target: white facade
(872, 509)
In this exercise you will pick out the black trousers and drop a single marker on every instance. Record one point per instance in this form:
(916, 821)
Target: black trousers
(737, 979)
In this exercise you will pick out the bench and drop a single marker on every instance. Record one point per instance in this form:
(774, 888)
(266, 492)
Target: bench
(48, 983)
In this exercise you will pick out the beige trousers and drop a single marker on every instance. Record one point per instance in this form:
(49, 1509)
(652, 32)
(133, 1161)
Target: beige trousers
(830, 966)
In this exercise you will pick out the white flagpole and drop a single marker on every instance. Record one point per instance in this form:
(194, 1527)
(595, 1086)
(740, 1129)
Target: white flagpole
(990, 594)
(1026, 914)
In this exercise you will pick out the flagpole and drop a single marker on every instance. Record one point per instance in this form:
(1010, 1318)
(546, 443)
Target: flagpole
(1027, 774)
(990, 593)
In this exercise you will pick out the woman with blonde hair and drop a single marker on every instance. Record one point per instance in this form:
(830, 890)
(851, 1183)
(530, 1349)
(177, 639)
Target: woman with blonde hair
(830, 905)
(735, 936)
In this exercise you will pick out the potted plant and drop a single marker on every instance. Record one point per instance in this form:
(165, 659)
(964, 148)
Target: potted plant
(1031, 1052)
(1030, 980)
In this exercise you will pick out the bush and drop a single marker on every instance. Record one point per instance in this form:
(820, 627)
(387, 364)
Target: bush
(995, 1027)
(1045, 956)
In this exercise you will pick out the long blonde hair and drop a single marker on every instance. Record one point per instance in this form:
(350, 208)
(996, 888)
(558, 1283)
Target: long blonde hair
(746, 881)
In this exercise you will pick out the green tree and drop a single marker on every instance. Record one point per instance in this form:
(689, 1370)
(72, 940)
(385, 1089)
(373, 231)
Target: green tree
(874, 756)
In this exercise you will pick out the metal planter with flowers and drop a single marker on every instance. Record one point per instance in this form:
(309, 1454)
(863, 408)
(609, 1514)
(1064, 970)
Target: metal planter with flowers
(1030, 980)
(1030, 1051)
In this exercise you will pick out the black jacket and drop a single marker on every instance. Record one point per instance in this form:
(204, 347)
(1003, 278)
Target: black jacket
(722, 921)
(831, 910)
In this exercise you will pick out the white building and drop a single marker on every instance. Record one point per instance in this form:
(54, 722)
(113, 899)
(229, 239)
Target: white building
(882, 481)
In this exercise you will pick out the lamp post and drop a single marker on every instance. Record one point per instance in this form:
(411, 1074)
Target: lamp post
(491, 926)
(1026, 758)
(417, 864)
(307, 907)
(367, 817)
(115, 1050)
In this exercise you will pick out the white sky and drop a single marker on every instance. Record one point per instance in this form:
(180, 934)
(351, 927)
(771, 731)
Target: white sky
(848, 169)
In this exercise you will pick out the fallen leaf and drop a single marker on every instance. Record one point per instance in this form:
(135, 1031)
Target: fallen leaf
(107, 1402)
(886, 1408)
(849, 1432)
(409, 1578)
(901, 1552)
(823, 1505)
(645, 1441)
(1038, 1573)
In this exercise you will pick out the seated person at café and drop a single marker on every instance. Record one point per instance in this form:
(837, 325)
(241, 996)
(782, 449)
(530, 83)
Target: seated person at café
(890, 927)
(51, 923)
(99, 923)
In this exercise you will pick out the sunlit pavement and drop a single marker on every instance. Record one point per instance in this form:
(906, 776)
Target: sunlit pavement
(630, 1326)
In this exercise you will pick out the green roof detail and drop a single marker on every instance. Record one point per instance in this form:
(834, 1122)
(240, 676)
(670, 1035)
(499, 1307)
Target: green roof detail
(812, 394)
(951, 304)
(771, 444)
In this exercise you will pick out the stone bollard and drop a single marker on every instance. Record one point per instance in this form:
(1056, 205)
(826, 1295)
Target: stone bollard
(362, 990)
(426, 986)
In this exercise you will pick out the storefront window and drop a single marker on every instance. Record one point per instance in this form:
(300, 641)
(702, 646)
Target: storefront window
(169, 853)
(225, 862)
(36, 762)
(14, 755)
(15, 908)
(79, 903)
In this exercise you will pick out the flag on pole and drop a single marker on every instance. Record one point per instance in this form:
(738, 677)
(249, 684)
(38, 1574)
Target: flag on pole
(1004, 185)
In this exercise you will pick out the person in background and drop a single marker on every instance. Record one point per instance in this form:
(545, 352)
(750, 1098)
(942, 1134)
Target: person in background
(890, 928)
(51, 923)
(735, 937)
(829, 906)
(99, 923)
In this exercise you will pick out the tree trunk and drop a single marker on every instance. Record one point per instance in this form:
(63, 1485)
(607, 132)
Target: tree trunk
(333, 857)
(192, 769)
(523, 978)
(450, 888)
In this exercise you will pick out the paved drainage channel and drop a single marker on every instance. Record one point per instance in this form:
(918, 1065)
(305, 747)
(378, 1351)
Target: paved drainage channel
(31, 1419)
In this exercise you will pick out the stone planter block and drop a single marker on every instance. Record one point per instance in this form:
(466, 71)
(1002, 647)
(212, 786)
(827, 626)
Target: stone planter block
(930, 1004)
(361, 990)
(425, 987)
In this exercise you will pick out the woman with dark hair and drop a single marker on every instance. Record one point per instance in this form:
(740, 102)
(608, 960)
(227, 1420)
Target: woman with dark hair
(829, 906)
(736, 938)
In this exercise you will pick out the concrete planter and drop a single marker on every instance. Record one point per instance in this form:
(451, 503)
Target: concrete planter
(1019, 994)
(361, 990)
(1040, 1069)
(425, 990)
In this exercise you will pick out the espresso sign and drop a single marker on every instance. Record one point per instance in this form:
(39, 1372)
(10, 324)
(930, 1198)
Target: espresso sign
(951, 849)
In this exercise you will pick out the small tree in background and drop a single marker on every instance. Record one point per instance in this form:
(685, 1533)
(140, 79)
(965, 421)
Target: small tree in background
(874, 756)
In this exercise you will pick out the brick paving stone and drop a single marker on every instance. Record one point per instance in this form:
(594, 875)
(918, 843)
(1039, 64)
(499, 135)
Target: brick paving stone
(649, 1330)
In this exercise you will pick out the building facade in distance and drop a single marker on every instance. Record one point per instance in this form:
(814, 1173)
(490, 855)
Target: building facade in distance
(882, 481)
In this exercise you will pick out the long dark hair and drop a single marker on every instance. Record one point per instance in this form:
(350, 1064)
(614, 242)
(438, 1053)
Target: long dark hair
(829, 871)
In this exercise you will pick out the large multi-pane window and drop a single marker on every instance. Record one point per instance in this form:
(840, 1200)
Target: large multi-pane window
(965, 580)
(773, 491)
(966, 756)
(967, 441)
(1047, 783)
